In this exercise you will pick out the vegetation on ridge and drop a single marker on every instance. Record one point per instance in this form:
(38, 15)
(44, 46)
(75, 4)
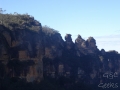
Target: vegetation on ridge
(23, 21)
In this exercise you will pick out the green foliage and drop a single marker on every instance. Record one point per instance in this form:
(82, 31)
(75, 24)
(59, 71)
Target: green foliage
(2, 11)
(19, 21)
(48, 31)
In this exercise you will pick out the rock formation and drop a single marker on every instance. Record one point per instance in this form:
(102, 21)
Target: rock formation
(69, 43)
(22, 45)
(85, 47)
(35, 56)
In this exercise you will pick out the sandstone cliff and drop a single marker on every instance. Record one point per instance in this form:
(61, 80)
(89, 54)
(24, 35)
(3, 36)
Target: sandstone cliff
(37, 52)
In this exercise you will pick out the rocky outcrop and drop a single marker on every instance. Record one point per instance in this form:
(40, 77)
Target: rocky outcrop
(68, 43)
(33, 52)
(23, 45)
(37, 55)
(80, 45)
(85, 47)
(53, 46)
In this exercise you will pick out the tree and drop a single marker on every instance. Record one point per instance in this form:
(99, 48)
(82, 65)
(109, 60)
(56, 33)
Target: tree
(1, 12)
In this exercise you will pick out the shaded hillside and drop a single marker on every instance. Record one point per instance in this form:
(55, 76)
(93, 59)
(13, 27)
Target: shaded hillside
(30, 52)
(18, 21)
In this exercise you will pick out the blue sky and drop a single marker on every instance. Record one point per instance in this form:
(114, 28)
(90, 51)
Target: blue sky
(97, 18)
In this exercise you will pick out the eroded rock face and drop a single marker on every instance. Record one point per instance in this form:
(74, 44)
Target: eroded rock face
(22, 53)
(3, 52)
(8, 37)
(68, 43)
(103, 52)
(85, 47)
(22, 45)
(25, 45)
(79, 41)
(53, 46)
(92, 43)
(79, 44)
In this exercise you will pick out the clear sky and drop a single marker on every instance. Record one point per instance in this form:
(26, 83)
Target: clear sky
(97, 18)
